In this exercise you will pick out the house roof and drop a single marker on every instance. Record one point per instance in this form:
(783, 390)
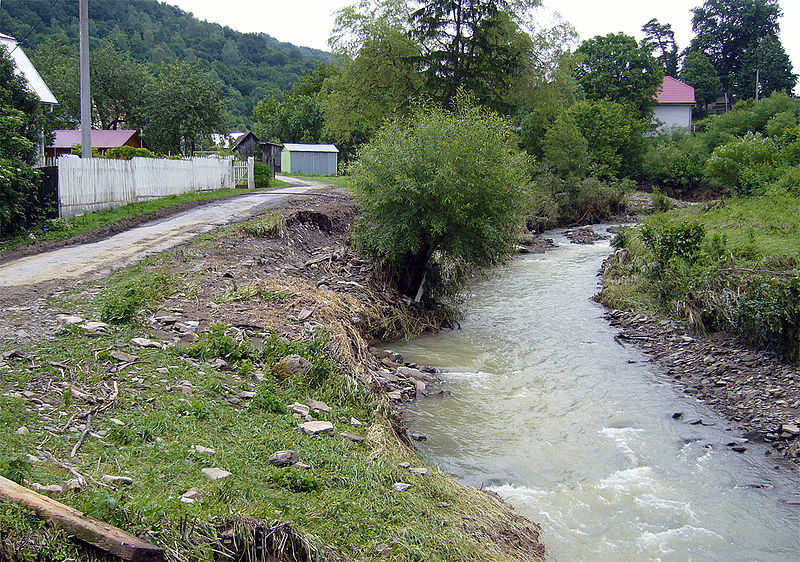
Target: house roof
(673, 91)
(242, 138)
(291, 147)
(23, 67)
(65, 138)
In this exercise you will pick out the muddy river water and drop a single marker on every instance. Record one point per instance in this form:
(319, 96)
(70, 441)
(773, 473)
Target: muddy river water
(577, 432)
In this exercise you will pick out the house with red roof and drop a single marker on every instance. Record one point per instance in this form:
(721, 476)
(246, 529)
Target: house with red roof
(674, 103)
(102, 140)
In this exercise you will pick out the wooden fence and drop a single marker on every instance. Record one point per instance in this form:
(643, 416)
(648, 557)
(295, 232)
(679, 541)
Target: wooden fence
(90, 184)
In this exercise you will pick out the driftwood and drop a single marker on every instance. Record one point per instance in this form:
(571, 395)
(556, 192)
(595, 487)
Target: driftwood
(88, 529)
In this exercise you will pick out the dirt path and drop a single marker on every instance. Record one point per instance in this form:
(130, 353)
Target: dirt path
(132, 245)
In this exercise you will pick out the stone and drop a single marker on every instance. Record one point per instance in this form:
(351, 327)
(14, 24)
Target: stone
(420, 471)
(191, 496)
(791, 429)
(415, 374)
(145, 342)
(318, 406)
(404, 465)
(305, 313)
(203, 450)
(382, 550)
(122, 356)
(216, 473)
(72, 485)
(246, 395)
(109, 479)
(33, 458)
(300, 409)
(417, 436)
(69, 319)
(115, 421)
(52, 489)
(23, 431)
(284, 458)
(220, 365)
(400, 487)
(301, 466)
(293, 366)
(167, 318)
(739, 449)
(315, 427)
(354, 421)
(351, 437)
(95, 326)
(396, 395)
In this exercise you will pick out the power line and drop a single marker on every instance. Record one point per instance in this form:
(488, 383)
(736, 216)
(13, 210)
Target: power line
(33, 28)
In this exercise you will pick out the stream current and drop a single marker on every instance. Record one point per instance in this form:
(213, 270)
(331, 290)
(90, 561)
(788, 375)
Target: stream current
(577, 431)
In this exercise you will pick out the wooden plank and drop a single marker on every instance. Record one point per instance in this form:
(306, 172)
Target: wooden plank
(88, 529)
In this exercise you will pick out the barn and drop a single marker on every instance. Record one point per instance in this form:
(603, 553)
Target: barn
(674, 103)
(315, 159)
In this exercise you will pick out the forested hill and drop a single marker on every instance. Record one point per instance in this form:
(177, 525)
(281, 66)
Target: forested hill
(250, 65)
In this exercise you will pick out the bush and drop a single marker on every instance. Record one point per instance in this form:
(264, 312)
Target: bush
(769, 315)
(19, 181)
(744, 165)
(262, 175)
(442, 192)
(675, 161)
(566, 149)
(125, 153)
(682, 241)
(661, 203)
(122, 303)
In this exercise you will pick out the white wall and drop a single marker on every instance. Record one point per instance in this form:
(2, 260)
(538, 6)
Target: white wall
(673, 117)
(90, 184)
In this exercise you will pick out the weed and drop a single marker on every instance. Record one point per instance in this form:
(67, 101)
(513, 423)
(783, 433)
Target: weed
(296, 480)
(123, 301)
(249, 292)
(16, 468)
(270, 225)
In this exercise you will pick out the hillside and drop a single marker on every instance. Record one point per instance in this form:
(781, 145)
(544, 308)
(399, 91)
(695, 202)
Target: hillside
(250, 65)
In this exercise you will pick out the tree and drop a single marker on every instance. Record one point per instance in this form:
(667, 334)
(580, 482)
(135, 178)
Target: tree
(119, 88)
(774, 70)
(615, 67)
(186, 106)
(729, 33)
(472, 44)
(439, 194)
(699, 73)
(660, 38)
(20, 132)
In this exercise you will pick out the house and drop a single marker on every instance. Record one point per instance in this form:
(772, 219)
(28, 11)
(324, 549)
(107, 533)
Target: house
(65, 139)
(270, 153)
(674, 103)
(315, 159)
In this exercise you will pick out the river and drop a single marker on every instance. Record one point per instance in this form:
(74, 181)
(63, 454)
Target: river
(577, 431)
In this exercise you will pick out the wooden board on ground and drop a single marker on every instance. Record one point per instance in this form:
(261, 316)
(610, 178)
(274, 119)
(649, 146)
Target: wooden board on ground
(88, 529)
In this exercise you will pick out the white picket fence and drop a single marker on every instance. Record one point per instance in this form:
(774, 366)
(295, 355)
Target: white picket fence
(91, 184)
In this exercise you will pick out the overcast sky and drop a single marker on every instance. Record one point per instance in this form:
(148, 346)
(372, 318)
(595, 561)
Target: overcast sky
(308, 22)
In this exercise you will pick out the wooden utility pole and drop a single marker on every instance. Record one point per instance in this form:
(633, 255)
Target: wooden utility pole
(758, 76)
(86, 100)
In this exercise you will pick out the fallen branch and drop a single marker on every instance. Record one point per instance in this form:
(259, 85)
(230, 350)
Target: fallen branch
(88, 529)
(87, 428)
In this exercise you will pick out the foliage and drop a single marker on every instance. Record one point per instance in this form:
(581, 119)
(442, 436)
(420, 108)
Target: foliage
(566, 148)
(660, 38)
(774, 70)
(118, 89)
(731, 34)
(571, 200)
(186, 107)
(676, 161)
(15, 468)
(616, 68)
(262, 175)
(615, 137)
(769, 315)
(296, 479)
(121, 304)
(441, 192)
(743, 165)
(270, 225)
(665, 242)
(125, 153)
(661, 203)
(698, 72)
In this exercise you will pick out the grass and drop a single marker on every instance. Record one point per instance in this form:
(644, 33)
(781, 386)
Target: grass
(268, 225)
(171, 400)
(338, 181)
(61, 229)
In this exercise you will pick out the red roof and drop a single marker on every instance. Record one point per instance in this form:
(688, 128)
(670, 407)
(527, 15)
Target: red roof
(673, 90)
(65, 138)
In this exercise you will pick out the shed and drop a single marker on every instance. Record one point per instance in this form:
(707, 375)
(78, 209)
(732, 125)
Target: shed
(102, 140)
(315, 159)
(674, 103)
(272, 154)
(245, 145)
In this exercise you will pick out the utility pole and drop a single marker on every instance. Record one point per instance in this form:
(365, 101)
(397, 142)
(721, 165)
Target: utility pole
(758, 75)
(86, 100)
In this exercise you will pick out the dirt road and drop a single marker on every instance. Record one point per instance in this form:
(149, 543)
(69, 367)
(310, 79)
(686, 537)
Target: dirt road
(132, 245)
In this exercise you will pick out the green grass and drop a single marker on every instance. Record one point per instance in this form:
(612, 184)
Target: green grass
(338, 181)
(61, 229)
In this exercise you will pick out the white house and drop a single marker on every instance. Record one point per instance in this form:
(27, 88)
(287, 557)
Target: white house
(674, 103)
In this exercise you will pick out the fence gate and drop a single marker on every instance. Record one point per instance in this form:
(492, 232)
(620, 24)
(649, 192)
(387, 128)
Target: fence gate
(239, 172)
(48, 192)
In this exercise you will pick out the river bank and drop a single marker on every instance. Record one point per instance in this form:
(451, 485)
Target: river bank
(158, 399)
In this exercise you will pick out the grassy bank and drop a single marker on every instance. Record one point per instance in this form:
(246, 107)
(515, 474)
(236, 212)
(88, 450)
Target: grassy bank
(731, 265)
(338, 181)
(226, 392)
(61, 229)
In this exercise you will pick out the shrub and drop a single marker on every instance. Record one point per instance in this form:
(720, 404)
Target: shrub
(743, 165)
(122, 303)
(262, 175)
(661, 203)
(441, 193)
(296, 480)
(126, 153)
(665, 242)
(219, 344)
(769, 315)
(780, 123)
(675, 161)
(19, 181)
(565, 148)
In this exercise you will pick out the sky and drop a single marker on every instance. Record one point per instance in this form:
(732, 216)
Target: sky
(308, 22)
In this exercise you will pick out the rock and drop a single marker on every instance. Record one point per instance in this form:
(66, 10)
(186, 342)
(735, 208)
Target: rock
(69, 319)
(73, 485)
(420, 471)
(191, 496)
(417, 436)
(234, 400)
(419, 387)
(284, 458)
(109, 479)
(301, 466)
(23, 431)
(400, 487)
(351, 437)
(33, 458)
(355, 422)
(95, 327)
(122, 356)
(404, 465)
(739, 449)
(416, 374)
(216, 473)
(305, 313)
(396, 395)
(220, 365)
(115, 421)
(52, 489)
(300, 409)
(382, 550)
(293, 366)
(790, 428)
(202, 450)
(677, 415)
(318, 406)
(145, 342)
(246, 395)
(315, 427)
